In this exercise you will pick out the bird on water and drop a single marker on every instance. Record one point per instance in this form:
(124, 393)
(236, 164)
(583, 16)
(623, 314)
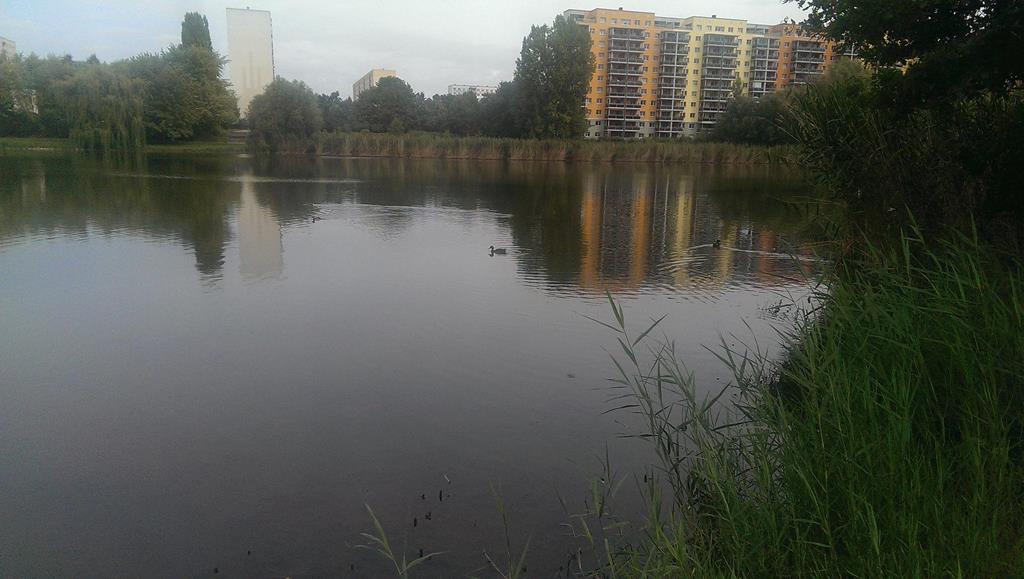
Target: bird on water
(499, 251)
(717, 244)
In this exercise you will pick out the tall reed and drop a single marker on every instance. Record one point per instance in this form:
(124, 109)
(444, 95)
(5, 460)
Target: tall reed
(888, 443)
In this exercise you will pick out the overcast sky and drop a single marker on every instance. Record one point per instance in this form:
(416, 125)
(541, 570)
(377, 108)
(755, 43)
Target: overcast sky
(330, 44)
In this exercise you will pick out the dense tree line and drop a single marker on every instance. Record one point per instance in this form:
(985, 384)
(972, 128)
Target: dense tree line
(174, 95)
(543, 101)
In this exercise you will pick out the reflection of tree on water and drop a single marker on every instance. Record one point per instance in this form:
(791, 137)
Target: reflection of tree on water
(75, 195)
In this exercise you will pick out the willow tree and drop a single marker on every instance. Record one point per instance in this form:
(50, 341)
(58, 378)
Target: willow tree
(104, 109)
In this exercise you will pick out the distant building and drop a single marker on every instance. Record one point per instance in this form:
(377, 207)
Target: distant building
(664, 77)
(250, 53)
(370, 80)
(478, 89)
(7, 47)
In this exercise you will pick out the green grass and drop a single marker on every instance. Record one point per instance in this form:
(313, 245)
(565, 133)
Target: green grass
(887, 444)
(196, 147)
(35, 143)
(432, 145)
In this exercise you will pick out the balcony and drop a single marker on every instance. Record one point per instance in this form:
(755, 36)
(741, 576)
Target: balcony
(720, 63)
(626, 46)
(623, 81)
(721, 51)
(720, 40)
(628, 33)
(623, 105)
(676, 37)
(623, 58)
(623, 114)
(809, 46)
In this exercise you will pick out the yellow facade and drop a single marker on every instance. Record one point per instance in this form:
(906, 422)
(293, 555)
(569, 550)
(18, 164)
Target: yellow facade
(671, 77)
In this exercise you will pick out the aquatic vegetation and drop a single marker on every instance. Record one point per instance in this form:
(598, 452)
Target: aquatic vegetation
(887, 443)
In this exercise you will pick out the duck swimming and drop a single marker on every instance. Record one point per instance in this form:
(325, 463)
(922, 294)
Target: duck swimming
(717, 244)
(499, 251)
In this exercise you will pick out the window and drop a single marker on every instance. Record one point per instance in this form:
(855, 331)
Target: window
(719, 28)
(698, 38)
(693, 115)
(599, 77)
(615, 20)
(699, 27)
(599, 101)
(748, 41)
(694, 93)
(600, 55)
(602, 20)
(600, 67)
(730, 29)
(600, 90)
(645, 69)
(647, 47)
(601, 43)
(647, 23)
(602, 32)
(588, 101)
(636, 22)
(656, 58)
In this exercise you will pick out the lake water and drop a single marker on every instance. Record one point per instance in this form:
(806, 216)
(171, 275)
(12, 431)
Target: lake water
(215, 362)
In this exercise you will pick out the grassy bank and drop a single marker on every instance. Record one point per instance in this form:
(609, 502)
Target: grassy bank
(436, 146)
(888, 444)
(44, 144)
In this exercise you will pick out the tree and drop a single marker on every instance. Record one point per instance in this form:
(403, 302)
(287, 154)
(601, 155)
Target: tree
(953, 47)
(455, 114)
(336, 112)
(500, 112)
(185, 96)
(754, 121)
(286, 111)
(16, 116)
(552, 74)
(104, 109)
(390, 106)
(195, 31)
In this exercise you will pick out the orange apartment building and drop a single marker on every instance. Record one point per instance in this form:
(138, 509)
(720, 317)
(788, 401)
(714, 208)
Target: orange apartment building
(671, 77)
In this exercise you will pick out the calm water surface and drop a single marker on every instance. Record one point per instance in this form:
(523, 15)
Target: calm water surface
(194, 374)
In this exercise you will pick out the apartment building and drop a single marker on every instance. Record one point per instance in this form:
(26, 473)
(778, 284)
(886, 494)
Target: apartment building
(370, 80)
(480, 90)
(670, 77)
(7, 47)
(250, 53)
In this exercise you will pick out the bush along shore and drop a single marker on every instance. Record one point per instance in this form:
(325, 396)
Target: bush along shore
(440, 146)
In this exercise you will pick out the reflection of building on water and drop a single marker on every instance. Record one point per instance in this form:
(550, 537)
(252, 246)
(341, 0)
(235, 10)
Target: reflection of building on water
(651, 230)
(625, 229)
(261, 253)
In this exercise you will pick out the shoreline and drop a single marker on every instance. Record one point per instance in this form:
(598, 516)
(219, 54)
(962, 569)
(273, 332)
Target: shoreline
(431, 146)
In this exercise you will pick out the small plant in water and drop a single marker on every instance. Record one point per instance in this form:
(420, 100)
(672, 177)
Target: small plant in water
(379, 543)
